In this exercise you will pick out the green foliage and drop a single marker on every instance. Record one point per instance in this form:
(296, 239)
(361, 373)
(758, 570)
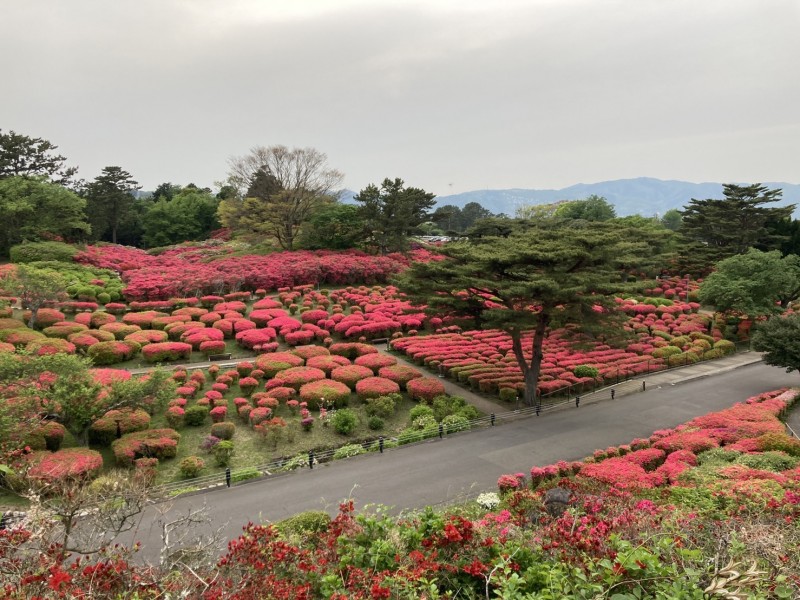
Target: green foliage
(424, 422)
(29, 252)
(375, 423)
(755, 283)
(382, 406)
(779, 339)
(585, 371)
(308, 522)
(453, 219)
(191, 214)
(348, 451)
(444, 406)
(191, 466)
(332, 226)
(245, 474)
(109, 202)
(344, 421)
(392, 212)
(454, 423)
(22, 155)
(34, 287)
(223, 453)
(420, 410)
(195, 415)
(781, 442)
(593, 208)
(771, 460)
(224, 430)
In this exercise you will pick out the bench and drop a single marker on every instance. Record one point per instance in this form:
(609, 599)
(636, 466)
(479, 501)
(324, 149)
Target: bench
(215, 357)
(380, 341)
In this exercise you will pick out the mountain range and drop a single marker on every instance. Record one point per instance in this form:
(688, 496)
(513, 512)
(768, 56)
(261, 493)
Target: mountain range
(645, 196)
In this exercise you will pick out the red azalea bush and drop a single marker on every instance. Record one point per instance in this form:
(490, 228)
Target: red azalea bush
(424, 389)
(104, 430)
(120, 330)
(274, 362)
(350, 375)
(400, 374)
(175, 416)
(280, 392)
(53, 433)
(195, 337)
(218, 414)
(372, 387)
(307, 352)
(142, 319)
(45, 317)
(299, 338)
(42, 347)
(259, 415)
(334, 393)
(375, 361)
(69, 464)
(158, 443)
(109, 376)
(209, 348)
(248, 385)
(147, 336)
(327, 362)
(352, 350)
(82, 341)
(296, 377)
(260, 340)
(109, 353)
(167, 351)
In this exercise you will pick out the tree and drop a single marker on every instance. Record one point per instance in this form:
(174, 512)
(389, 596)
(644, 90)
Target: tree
(333, 226)
(190, 215)
(34, 209)
(592, 208)
(34, 287)
(756, 284)
(532, 280)
(392, 212)
(723, 228)
(165, 191)
(278, 190)
(109, 200)
(21, 155)
(538, 212)
(779, 339)
(672, 219)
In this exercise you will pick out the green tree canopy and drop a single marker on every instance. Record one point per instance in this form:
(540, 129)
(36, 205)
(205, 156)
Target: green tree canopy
(278, 190)
(455, 220)
(534, 279)
(191, 214)
(592, 208)
(756, 284)
(21, 155)
(724, 227)
(109, 201)
(779, 339)
(672, 219)
(34, 209)
(34, 287)
(333, 226)
(392, 212)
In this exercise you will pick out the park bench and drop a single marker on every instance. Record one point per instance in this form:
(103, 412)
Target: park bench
(216, 357)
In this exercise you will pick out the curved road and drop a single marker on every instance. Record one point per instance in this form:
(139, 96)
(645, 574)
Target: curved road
(463, 465)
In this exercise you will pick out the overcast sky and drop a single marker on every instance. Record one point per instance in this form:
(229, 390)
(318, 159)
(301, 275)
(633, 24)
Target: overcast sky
(450, 95)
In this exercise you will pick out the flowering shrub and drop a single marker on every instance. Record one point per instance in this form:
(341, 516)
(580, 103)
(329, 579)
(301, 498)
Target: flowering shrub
(147, 336)
(142, 319)
(120, 330)
(274, 362)
(510, 483)
(65, 465)
(109, 353)
(372, 387)
(259, 415)
(400, 374)
(158, 443)
(335, 394)
(219, 413)
(350, 375)
(375, 361)
(166, 351)
(352, 350)
(296, 377)
(104, 430)
(223, 430)
(175, 416)
(42, 347)
(424, 389)
(197, 336)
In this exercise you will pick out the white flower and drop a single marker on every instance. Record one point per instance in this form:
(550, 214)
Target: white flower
(488, 500)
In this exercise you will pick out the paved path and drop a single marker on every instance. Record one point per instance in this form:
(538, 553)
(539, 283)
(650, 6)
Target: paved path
(460, 466)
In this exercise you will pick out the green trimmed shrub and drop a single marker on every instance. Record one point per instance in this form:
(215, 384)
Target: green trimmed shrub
(344, 421)
(375, 423)
(223, 453)
(585, 371)
(771, 460)
(195, 415)
(29, 252)
(191, 466)
(223, 430)
(382, 406)
(310, 521)
(419, 411)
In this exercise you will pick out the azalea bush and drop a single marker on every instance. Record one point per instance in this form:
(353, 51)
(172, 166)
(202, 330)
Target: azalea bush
(155, 443)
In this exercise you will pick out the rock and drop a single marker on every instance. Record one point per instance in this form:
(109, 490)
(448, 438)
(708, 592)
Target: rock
(556, 501)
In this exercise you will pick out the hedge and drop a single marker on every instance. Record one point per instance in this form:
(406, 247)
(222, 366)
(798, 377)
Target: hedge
(104, 430)
(167, 351)
(64, 465)
(157, 443)
(109, 353)
(334, 392)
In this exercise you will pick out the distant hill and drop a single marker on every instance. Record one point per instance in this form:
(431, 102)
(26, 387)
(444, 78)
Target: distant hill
(644, 195)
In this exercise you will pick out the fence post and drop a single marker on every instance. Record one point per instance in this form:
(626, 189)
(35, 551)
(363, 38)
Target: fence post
(441, 431)
(577, 401)
(644, 386)
(380, 444)
(228, 477)
(310, 459)
(613, 393)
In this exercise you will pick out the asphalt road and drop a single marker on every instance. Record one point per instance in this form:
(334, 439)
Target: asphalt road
(463, 465)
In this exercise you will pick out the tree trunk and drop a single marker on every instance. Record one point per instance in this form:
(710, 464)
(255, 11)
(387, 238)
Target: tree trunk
(114, 234)
(530, 370)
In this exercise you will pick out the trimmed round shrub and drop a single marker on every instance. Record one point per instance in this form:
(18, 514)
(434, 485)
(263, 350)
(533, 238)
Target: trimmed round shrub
(273, 363)
(100, 318)
(296, 377)
(191, 466)
(223, 453)
(425, 389)
(382, 406)
(372, 387)
(209, 348)
(400, 374)
(223, 430)
(282, 393)
(375, 361)
(151, 443)
(120, 330)
(327, 362)
(248, 385)
(63, 331)
(195, 337)
(45, 317)
(28, 252)
(334, 392)
(147, 336)
(143, 319)
(53, 434)
(175, 416)
(69, 464)
(109, 353)
(104, 430)
(176, 330)
(166, 351)
(350, 375)
(352, 350)
(82, 341)
(218, 413)
(344, 421)
(258, 339)
(44, 346)
(585, 371)
(196, 415)
(307, 352)
(375, 423)
(19, 337)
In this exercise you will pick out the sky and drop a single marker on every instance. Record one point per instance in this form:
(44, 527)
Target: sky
(449, 95)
